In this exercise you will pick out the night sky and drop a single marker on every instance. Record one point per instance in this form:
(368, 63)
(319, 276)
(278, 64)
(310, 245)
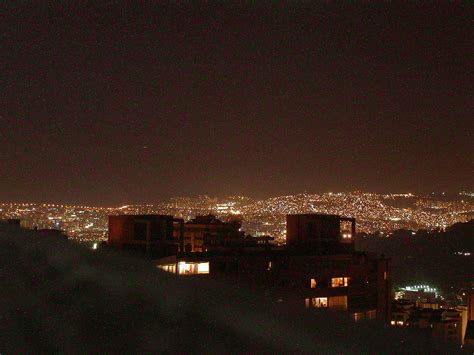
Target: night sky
(108, 104)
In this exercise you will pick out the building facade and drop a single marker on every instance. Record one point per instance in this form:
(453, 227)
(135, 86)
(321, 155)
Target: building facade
(444, 324)
(205, 233)
(321, 234)
(318, 269)
(149, 234)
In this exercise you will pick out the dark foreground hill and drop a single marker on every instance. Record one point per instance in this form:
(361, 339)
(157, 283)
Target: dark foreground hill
(443, 258)
(56, 296)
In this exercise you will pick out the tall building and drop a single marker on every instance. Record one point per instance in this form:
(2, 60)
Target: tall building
(150, 234)
(325, 275)
(207, 232)
(322, 234)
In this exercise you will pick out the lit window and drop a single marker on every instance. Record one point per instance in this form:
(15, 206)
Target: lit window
(203, 268)
(340, 281)
(171, 268)
(269, 266)
(392, 322)
(185, 268)
(338, 303)
(313, 283)
(358, 316)
(385, 275)
(319, 302)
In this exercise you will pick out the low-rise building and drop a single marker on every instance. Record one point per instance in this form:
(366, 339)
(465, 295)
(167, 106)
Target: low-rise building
(446, 325)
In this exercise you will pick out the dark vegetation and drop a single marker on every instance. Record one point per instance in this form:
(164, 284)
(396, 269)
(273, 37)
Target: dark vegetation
(427, 257)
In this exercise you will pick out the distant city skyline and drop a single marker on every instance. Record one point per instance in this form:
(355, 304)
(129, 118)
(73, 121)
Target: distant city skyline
(374, 212)
(440, 194)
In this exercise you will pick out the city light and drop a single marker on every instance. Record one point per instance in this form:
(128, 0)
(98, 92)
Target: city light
(374, 212)
(417, 288)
